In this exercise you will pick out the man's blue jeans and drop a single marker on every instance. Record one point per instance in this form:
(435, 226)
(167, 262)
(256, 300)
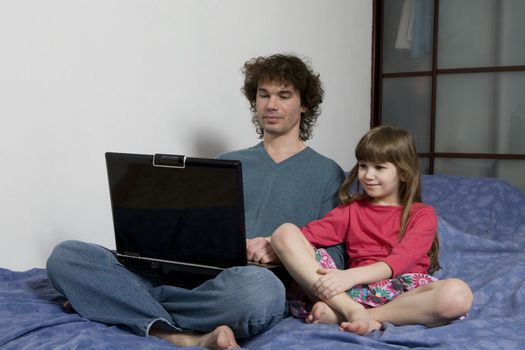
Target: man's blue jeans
(248, 299)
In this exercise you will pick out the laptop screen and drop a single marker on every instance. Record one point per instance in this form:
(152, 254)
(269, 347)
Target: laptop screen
(191, 213)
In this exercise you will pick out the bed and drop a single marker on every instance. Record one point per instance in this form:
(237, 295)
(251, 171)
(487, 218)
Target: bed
(482, 232)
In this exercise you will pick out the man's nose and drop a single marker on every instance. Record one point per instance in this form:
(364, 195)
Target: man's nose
(272, 102)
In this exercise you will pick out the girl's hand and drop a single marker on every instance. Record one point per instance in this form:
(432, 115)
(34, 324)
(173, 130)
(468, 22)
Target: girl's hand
(331, 283)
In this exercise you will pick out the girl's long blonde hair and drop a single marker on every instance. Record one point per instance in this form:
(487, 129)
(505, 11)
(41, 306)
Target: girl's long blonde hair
(394, 145)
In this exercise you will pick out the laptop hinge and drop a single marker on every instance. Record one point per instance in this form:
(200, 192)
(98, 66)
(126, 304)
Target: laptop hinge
(133, 254)
(169, 161)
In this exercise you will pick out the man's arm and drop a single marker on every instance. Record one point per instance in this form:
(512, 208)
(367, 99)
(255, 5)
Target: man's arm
(331, 192)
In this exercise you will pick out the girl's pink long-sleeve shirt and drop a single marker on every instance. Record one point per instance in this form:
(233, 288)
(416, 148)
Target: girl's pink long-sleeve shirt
(371, 234)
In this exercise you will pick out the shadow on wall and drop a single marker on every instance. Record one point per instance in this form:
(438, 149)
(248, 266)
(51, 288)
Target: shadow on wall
(209, 144)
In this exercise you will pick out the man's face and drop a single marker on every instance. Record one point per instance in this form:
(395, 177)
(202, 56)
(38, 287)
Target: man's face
(278, 108)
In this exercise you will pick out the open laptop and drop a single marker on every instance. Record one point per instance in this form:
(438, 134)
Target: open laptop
(173, 213)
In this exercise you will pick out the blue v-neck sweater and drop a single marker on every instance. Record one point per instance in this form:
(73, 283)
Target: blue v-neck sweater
(298, 190)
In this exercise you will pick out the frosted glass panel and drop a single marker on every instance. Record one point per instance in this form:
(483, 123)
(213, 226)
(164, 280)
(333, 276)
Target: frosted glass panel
(510, 113)
(424, 166)
(512, 47)
(465, 167)
(509, 170)
(406, 104)
(481, 113)
(464, 110)
(513, 171)
(481, 33)
(407, 35)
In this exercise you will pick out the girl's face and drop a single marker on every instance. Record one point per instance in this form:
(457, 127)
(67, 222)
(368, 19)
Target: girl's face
(380, 181)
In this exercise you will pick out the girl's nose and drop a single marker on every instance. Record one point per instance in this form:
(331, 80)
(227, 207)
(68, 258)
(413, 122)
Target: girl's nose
(369, 174)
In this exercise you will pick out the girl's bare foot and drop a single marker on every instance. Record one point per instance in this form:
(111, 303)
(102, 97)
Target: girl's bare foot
(220, 338)
(358, 321)
(360, 327)
(323, 313)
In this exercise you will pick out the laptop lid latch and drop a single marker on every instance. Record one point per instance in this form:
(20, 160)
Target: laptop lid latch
(169, 161)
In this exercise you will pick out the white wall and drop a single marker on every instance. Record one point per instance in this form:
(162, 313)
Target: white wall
(82, 77)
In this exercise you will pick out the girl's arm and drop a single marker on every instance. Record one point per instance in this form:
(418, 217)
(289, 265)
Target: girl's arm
(410, 254)
(332, 282)
(330, 230)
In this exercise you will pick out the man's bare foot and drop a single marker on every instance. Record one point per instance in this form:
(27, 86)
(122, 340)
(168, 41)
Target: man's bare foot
(220, 338)
(360, 327)
(323, 313)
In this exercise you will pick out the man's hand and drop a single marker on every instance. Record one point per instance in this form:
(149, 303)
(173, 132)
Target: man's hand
(259, 249)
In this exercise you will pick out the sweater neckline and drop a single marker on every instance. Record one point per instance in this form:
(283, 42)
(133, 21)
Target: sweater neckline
(266, 156)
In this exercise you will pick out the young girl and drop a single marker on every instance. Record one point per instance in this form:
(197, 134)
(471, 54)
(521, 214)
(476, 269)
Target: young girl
(391, 241)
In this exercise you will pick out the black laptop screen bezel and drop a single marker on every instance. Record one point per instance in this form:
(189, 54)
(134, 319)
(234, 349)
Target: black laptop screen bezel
(127, 172)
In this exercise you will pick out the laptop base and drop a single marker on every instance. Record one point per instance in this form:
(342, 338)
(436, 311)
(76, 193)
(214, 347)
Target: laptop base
(164, 275)
(184, 275)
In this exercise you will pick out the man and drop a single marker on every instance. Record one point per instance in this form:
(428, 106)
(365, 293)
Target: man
(284, 181)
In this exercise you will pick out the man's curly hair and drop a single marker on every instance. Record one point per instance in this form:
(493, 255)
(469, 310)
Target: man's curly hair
(287, 69)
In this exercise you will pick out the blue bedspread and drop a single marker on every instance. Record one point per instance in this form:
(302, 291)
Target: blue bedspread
(482, 232)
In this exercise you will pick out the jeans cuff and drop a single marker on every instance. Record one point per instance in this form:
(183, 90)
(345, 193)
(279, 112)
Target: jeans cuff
(160, 323)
